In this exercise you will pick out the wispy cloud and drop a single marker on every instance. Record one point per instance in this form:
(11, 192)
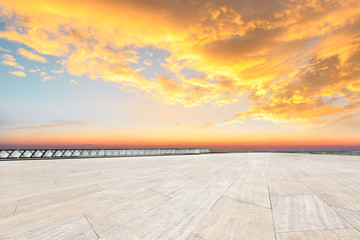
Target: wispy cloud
(6, 123)
(52, 124)
(5, 50)
(206, 125)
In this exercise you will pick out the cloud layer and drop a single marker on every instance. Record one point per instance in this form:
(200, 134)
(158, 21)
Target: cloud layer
(294, 61)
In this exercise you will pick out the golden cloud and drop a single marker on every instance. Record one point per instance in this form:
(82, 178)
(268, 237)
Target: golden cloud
(31, 56)
(295, 61)
(18, 73)
(147, 63)
(57, 71)
(74, 82)
(10, 61)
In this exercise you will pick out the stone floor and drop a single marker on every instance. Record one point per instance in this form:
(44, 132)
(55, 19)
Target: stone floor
(213, 196)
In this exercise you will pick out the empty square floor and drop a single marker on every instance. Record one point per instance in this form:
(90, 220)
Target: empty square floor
(213, 196)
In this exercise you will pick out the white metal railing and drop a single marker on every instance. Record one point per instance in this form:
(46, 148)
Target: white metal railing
(84, 153)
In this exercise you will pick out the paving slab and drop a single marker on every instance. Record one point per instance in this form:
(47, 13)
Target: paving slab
(337, 234)
(232, 219)
(304, 213)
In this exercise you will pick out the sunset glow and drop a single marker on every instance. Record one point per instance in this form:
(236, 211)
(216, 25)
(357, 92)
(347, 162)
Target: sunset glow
(179, 73)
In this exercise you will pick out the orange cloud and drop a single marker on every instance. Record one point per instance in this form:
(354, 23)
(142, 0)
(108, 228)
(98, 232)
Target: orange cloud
(18, 73)
(147, 63)
(10, 61)
(207, 125)
(31, 56)
(293, 61)
(57, 71)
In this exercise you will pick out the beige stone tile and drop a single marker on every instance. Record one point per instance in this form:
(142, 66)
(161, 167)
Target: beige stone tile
(304, 213)
(353, 217)
(54, 197)
(288, 188)
(337, 192)
(231, 219)
(249, 192)
(7, 209)
(38, 224)
(172, 188)
(116, 213)
(343, 234)
(74, 227)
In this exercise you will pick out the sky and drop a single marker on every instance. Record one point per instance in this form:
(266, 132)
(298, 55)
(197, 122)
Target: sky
(232, 75)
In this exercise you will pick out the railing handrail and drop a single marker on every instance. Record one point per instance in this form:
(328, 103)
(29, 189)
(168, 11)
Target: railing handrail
(84, 153)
